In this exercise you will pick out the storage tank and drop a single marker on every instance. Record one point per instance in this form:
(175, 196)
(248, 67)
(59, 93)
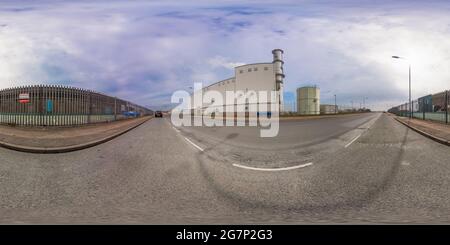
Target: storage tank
(308, 100)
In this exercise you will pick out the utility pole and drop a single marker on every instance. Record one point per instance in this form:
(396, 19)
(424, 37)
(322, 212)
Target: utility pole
(410, 104)
(364, 102)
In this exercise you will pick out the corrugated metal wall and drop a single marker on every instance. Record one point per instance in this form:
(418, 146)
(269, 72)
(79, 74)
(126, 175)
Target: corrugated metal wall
(53, 105)
(434, 107)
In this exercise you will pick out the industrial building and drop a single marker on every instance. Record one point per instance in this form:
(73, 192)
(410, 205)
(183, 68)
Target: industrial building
(439, 101)
(52, 105)
(308, 100)
(256, 77)
(434, 107)
(425, 104)
(328, 109)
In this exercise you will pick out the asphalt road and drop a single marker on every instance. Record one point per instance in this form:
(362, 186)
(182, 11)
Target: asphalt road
(352, 169)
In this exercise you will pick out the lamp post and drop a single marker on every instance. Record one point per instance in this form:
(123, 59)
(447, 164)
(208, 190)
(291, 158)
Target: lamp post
(410, 104)
(364, 102)
(335, 105)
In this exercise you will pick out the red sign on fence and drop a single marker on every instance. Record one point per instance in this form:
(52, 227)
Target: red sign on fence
(24, 98)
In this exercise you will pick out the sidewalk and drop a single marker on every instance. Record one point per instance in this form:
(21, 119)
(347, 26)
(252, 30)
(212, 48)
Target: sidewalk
(308, 117)
(434, 130)
(64, 139)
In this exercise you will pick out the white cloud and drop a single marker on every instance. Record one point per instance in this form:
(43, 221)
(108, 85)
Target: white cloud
(219, 61)
(145, 50)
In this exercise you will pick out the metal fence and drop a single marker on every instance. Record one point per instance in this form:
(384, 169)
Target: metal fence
(433, 107)
(53, 105)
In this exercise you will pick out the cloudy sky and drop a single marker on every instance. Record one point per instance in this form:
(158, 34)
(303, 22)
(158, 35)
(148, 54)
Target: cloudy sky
(144, 50)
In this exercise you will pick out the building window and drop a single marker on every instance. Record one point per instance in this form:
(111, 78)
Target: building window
(249, 69)
(228, 81)
(266, 68)
(241, 71)
(233, 80)
(255, 69)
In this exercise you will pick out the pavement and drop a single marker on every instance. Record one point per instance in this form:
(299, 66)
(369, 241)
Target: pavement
(63, 139)
(308, 117)
(364, 168)
(433, 130)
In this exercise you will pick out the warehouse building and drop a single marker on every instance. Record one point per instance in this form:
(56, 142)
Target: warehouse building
(52, 105)
(308, 100)
(425, 104)
(439, 101)
(264, 77)
(434, 107)
(328, 109)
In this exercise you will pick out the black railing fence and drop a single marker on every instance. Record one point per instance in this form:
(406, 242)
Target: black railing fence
(54, 105)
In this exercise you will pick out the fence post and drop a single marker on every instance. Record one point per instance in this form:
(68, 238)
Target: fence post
(423, 109)
(89, 107)
(115, 108)
(446, 107)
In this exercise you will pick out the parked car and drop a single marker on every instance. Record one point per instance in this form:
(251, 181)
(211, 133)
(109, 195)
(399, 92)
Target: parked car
(158, 114)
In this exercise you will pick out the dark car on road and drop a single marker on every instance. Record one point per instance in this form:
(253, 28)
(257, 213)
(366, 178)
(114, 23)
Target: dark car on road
(158, 114)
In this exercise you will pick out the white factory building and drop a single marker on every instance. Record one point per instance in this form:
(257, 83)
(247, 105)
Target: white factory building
(256, 77)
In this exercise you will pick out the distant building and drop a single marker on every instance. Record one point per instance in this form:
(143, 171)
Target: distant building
(439, 101)
(328, 109)
(308, 100)
(425, 104)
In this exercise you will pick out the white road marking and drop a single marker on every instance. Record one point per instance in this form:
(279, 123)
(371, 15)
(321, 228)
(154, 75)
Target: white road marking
(274, 169)
(192, 143)
(353, 140)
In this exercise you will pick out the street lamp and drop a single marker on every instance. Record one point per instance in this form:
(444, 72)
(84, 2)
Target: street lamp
(364, 102)
(410, 104)
(335, 102)
(335, 105)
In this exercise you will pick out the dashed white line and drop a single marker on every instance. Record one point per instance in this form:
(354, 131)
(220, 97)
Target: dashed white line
(353, 140)
(273, 169)
(188, 140)
(192, 143)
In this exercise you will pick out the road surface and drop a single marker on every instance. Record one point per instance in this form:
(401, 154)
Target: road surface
(364, 168)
